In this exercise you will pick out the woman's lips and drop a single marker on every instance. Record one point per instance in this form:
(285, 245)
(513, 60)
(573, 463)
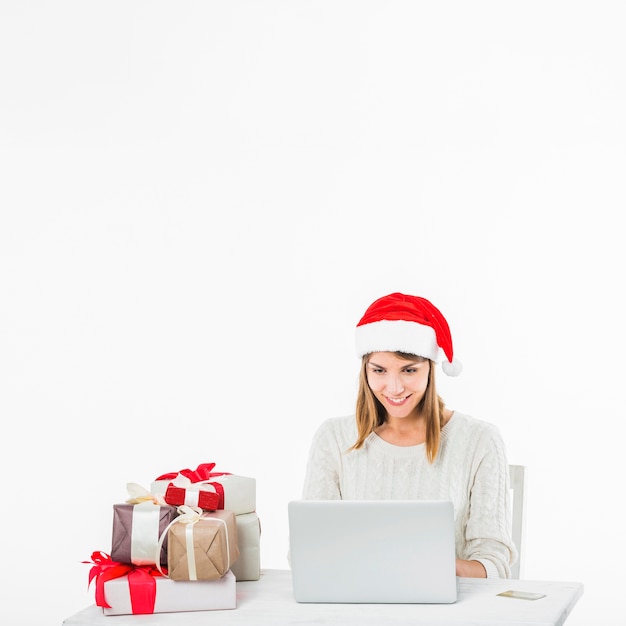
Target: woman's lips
(397, 401)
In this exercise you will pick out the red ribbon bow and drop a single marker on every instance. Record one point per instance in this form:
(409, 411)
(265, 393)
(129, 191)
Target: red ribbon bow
(200, 474)
(141, 581)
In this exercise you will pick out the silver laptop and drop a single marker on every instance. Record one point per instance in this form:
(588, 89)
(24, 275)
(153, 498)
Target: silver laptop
(372, 551)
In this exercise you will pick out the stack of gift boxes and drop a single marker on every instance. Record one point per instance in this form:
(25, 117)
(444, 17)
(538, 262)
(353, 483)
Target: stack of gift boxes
(180, 546)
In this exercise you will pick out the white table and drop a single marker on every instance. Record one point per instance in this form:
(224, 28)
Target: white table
(269, 601)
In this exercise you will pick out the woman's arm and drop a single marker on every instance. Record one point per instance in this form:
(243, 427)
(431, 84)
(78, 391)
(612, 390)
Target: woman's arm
(489, 546)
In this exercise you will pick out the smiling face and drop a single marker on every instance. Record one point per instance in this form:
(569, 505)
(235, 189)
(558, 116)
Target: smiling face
(398, 384)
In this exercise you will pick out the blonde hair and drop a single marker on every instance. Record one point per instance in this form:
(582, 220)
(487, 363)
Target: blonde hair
(370, 413)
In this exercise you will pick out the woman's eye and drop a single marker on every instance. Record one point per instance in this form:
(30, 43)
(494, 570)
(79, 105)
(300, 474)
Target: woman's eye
(411, 370)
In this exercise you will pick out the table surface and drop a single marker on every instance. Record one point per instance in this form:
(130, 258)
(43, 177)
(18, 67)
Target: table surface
(269, 601)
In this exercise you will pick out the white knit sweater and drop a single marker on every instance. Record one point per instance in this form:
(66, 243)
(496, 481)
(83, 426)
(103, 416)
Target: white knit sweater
(471, 470)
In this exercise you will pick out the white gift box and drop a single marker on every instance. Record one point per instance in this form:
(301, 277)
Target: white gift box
(248, 565)
(239, 491)
(173, 596)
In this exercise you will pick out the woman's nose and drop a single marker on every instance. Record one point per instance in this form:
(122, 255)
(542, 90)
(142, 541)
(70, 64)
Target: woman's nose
(394, 384)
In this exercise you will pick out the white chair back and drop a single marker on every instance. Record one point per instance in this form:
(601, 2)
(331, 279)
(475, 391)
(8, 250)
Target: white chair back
(517, 480)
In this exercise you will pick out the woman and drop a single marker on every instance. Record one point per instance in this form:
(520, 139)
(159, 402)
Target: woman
(404, 443)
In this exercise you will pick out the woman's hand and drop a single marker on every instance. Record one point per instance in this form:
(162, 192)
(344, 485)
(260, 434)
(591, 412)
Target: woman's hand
(470, 569)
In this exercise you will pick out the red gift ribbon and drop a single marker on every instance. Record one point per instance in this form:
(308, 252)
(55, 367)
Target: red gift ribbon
(202, 473)
(207, 500)
(219, 489)
(141, 583)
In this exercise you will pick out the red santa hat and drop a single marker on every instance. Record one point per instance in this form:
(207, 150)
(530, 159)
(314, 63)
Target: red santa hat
(401, 323)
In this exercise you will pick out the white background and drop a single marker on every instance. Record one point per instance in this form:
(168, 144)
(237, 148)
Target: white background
(200, 199)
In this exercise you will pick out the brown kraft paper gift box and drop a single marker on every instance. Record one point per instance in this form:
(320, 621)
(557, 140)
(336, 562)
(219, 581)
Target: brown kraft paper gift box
(213, 538)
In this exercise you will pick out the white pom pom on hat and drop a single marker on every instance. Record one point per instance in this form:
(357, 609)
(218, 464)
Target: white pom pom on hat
(403, 323)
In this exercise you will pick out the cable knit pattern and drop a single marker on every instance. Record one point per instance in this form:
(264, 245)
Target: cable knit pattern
(471, 470)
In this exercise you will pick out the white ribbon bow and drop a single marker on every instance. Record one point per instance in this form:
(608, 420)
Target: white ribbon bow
(139, 494)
